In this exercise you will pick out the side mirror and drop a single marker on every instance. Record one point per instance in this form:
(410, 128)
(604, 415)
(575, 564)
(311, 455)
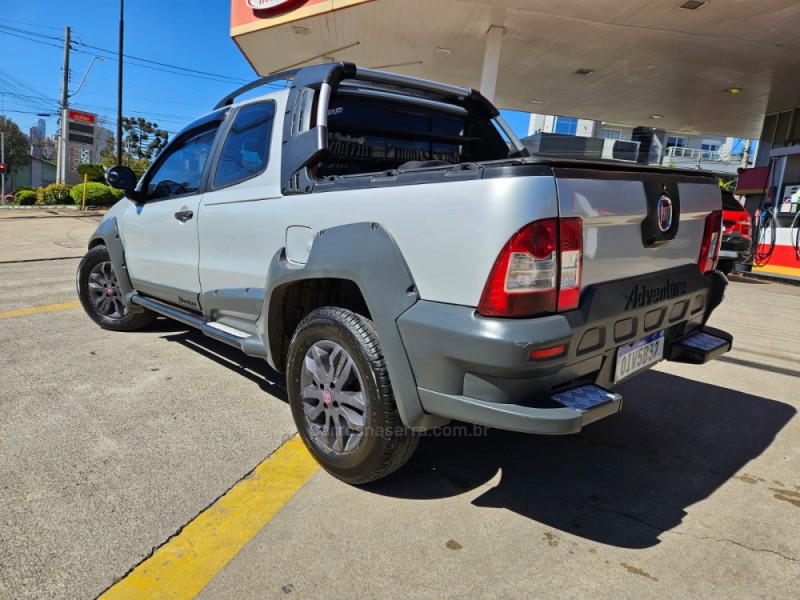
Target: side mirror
(121, 178)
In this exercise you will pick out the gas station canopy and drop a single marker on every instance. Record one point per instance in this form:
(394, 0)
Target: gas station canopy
(711, 67)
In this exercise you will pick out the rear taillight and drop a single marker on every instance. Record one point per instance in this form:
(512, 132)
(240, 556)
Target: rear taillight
(744, 225)
(571, 246)
(524, 280)
(712, 238)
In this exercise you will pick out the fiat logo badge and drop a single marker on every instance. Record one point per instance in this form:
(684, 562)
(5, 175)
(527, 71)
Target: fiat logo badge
(664, 213)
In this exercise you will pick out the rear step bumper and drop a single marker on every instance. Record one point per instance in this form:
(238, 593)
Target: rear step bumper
(699, 347)
(572, 410)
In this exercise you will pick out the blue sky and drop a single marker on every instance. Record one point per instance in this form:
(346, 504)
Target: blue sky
(188, 34)
(185, 33)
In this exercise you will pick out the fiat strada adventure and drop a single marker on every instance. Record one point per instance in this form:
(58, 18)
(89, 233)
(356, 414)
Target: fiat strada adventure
(390, 245)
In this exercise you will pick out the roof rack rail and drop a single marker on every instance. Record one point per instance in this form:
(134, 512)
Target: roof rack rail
(266, 80)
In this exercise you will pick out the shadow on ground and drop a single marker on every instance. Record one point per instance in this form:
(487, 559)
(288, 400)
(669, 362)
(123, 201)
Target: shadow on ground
(622, 481)
(255, 369)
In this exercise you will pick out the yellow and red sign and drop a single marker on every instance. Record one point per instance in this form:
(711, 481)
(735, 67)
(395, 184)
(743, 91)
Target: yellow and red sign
(253, 15)
(267, 4)
(81, 117)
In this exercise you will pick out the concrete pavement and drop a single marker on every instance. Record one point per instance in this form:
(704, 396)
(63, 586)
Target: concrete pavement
(41, 233)
(110, 443)
(692, 491)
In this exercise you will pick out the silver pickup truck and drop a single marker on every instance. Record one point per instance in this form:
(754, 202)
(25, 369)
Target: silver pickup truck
(390, 245)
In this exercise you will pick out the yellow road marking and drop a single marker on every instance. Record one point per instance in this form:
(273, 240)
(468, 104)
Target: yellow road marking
(38, 309)
(186, 563)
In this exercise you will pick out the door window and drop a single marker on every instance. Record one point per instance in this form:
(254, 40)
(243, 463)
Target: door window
(245, 153)
(181, 170)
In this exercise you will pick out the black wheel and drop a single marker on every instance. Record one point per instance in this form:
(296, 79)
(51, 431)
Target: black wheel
(100, 295)
(726, 266)
(341, 397)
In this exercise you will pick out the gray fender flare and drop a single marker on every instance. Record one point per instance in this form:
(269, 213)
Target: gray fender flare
(367, 255)
(108, 234)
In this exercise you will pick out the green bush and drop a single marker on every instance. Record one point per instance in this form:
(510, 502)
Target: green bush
(118, 194)
(25, 197)
(55, 193)
(96, 194)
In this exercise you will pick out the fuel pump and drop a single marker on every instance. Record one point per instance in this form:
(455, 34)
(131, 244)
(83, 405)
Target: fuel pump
(776, 222)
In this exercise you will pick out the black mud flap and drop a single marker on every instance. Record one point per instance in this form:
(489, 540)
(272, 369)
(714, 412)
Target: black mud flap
(701, 346)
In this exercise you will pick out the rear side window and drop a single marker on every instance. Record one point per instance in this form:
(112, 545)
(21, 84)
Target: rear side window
(245, 153)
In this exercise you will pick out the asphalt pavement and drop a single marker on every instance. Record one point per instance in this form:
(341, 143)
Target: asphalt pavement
(113, 445)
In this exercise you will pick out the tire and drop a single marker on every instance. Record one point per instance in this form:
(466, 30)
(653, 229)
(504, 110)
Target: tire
(337, 347)
(726, 266)
(101, 298)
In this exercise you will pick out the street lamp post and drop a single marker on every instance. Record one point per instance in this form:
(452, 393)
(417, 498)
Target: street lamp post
(119, 81)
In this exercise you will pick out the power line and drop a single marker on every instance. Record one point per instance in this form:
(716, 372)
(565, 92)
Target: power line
(30, 39)
(32, 24)
(22, 112)
(166, 65)
(137, 61)
(28, 32)
(22, 84)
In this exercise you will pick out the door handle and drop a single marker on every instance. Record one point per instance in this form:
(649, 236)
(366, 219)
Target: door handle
(184, 215)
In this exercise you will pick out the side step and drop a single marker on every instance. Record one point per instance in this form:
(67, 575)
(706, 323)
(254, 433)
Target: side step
(247, 343)
(699, 347)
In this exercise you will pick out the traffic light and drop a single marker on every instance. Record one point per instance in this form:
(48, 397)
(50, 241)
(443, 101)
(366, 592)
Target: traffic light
(2, 168)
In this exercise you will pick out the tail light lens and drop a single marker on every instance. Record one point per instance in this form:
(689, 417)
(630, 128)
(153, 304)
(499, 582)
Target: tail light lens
(744, 225)
(571, 255)
(712, 238)
(524, 280)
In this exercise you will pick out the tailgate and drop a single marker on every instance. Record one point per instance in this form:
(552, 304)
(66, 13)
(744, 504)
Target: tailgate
(624, 219)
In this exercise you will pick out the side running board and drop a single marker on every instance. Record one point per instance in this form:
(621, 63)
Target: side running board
(247, 343)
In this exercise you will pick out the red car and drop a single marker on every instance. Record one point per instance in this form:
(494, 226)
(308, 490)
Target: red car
(736, 237)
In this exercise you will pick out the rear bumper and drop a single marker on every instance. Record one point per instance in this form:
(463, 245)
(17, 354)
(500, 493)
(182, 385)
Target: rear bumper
(478, 370)
(735, 247)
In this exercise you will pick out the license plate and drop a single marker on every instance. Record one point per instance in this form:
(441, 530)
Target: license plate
(639, 355)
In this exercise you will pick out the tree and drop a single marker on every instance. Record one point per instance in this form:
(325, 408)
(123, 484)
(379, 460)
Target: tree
(108, 153)
(143, 139)
(108, 158)
(18, 151)
(96, 173)
(46, 148)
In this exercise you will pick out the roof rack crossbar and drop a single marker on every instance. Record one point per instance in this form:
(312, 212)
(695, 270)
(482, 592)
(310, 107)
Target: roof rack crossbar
(266, 80)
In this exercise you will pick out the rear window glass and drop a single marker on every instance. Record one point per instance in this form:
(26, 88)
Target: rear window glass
(374, 135)
(730, 203)
(245, 153)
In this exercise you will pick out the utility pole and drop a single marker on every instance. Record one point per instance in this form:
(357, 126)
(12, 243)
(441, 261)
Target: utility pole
(746, 155)
(119, 81)
(61, 169)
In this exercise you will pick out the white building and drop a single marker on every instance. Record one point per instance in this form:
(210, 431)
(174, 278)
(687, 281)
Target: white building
(717, 153)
